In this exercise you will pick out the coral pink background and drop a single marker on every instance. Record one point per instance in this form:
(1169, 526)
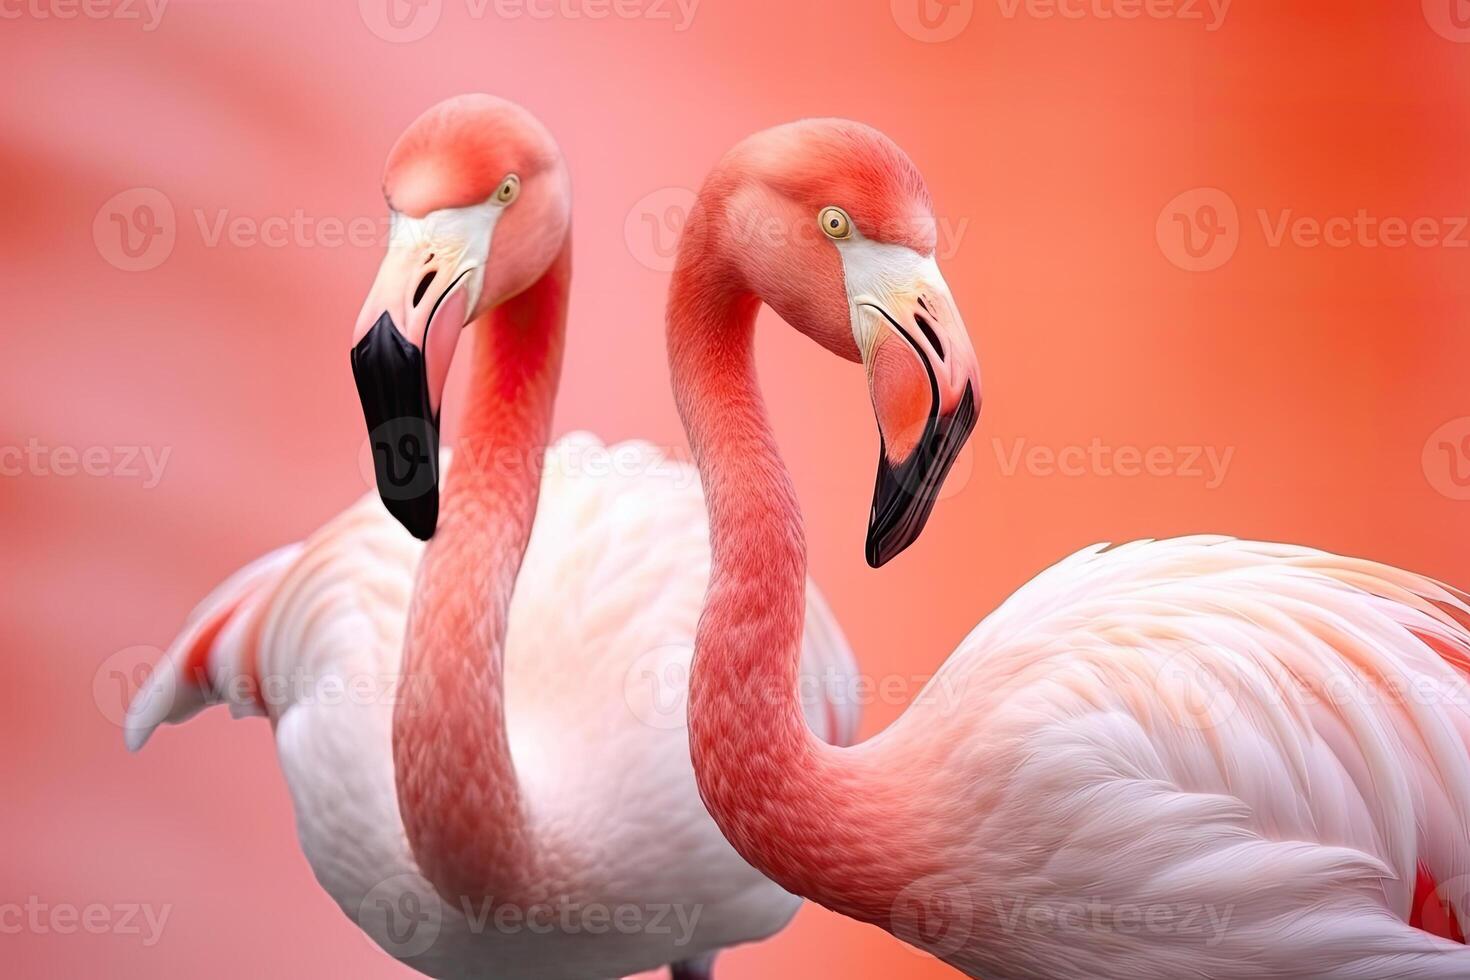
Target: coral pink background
(1335, 375)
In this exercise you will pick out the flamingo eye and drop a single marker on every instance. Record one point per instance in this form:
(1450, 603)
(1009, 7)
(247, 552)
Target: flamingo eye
(835, 223)
(509, 189)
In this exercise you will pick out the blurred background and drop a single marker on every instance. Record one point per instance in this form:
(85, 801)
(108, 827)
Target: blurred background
(1213, 258)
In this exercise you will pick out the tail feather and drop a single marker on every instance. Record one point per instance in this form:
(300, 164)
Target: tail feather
(212, 661)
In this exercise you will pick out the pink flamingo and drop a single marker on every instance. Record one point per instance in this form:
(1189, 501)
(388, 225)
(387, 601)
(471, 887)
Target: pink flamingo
(1192, 758)
(492, 787)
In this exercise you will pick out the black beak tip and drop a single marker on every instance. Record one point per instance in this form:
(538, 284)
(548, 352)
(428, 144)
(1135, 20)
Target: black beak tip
(876, 556)
(420, 517)
(879, 549)
(904, 495)
(402, 429)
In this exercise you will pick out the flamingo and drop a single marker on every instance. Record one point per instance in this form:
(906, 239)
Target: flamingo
(1201, 757)
(488, 785)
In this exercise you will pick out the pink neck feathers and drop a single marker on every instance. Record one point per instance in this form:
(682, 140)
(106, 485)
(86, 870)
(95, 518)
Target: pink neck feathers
(462, 807)
(809, 815)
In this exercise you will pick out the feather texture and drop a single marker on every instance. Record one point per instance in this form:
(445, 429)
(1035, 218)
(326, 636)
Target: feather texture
(1244, 754)
(596, 667)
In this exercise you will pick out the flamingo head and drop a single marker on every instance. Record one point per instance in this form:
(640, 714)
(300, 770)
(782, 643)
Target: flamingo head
(830, 224)
(480, 206)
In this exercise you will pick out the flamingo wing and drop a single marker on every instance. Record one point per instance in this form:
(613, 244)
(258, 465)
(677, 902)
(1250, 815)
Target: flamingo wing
(311, 636)
(211, 660)
(1265, 749)
(264, 638)
(607, 601)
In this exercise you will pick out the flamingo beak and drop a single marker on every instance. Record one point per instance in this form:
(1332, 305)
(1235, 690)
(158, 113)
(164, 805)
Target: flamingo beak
(925, 386)
(402, 348)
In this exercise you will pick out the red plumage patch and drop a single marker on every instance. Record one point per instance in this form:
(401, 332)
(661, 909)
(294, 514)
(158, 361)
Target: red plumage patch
(1431, 912)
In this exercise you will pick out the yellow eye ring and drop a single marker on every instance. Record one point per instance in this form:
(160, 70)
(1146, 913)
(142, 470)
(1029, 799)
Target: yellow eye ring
(509, 189)
(835, 223)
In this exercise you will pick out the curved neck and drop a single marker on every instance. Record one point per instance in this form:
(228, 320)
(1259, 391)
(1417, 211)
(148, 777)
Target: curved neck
(810, 816)
(463, 811)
